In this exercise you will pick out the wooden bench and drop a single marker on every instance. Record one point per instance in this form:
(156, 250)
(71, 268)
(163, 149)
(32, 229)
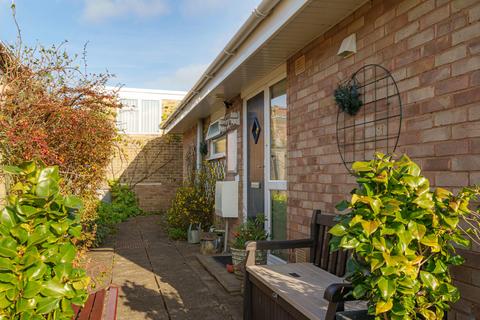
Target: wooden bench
(101, 305)
(314, 290)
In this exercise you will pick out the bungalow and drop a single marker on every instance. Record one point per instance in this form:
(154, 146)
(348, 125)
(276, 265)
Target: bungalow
(266, 106)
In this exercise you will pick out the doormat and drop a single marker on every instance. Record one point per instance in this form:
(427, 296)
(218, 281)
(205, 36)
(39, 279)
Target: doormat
(223, 260)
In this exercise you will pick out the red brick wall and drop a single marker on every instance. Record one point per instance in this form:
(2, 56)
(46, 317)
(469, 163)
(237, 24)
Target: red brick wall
(432, 49)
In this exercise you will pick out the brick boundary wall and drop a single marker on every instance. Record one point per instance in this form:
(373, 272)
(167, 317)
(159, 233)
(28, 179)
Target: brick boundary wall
(156, 158)
(432, 49)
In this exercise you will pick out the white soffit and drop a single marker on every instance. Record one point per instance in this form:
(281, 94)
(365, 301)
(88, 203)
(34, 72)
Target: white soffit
(290, 27)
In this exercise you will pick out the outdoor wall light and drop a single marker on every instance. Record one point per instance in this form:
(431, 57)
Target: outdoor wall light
(348, 46)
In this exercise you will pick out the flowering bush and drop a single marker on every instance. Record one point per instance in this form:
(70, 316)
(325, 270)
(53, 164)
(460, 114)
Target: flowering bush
(194, 203)
(52, 111)
(402, 235)
(251, 230)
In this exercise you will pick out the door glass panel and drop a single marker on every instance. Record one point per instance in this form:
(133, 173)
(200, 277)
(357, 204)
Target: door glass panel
(279, 219)
(278, 131)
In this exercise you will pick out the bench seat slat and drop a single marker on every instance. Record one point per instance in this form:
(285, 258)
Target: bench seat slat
(87, 308)
(97, 309)
(111, 304)
(101, 305)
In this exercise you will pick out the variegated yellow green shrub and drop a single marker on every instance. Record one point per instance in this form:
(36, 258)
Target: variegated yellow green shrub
(403, 236)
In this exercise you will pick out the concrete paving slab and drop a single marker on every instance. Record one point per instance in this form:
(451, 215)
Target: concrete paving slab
(159, 278)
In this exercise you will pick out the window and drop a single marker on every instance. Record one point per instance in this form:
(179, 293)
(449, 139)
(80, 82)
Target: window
(218, 148)
(214, 130)
(151, 116)
(127, 116)
(140, 116)
(279, 220)
(278, 131)
(217, 140)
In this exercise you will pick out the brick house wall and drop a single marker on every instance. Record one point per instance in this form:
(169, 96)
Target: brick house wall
(189, 150)
(432, 49)
(237, 106)
(150, 163)
(189, 143)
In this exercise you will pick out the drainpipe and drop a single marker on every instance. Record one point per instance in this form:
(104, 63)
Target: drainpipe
(199, 142)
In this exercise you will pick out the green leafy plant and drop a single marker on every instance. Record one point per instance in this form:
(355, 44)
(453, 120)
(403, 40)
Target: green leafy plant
(402, 235)
(38, 275)
(194, 202)
(177, 234)
(251, 230)
(347, 97)
(124, 205)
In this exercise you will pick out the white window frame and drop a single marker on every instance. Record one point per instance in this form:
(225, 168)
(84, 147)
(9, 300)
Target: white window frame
(213, 154)
(213, 137)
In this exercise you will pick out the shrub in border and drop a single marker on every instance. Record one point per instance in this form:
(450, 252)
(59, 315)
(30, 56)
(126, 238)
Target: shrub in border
(403, 238)
(38, 275)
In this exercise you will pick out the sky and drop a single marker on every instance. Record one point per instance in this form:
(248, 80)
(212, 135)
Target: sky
(157, 44)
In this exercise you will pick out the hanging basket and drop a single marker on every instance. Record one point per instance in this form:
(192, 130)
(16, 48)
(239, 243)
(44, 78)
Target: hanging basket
(347, 97)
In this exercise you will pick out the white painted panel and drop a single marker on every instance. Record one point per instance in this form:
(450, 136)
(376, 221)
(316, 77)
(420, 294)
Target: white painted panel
(232, 151)
(150, 116)
(127, 117)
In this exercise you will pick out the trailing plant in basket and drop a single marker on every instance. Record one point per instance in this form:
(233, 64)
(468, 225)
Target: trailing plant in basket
(38, 275)
(347, 97)
(402, 235)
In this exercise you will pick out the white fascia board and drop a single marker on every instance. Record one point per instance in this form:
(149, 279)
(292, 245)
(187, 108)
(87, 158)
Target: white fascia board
(284, 11)
(148, 94)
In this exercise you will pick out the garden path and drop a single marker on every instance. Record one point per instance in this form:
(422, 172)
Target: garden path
(159, 278)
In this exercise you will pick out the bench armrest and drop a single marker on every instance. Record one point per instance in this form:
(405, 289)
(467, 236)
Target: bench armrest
(252, 246)
(336, 292)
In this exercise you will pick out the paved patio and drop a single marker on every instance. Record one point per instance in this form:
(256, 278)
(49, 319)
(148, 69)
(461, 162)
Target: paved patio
(159, 278)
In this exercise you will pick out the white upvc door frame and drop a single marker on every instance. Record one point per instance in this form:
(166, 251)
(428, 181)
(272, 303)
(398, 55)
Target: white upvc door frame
(270, 185)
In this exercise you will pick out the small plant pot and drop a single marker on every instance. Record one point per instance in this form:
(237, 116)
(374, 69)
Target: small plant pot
(239, 256)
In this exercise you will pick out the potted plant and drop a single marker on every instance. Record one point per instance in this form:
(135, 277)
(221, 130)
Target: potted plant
(251, 230)
(403, 236)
